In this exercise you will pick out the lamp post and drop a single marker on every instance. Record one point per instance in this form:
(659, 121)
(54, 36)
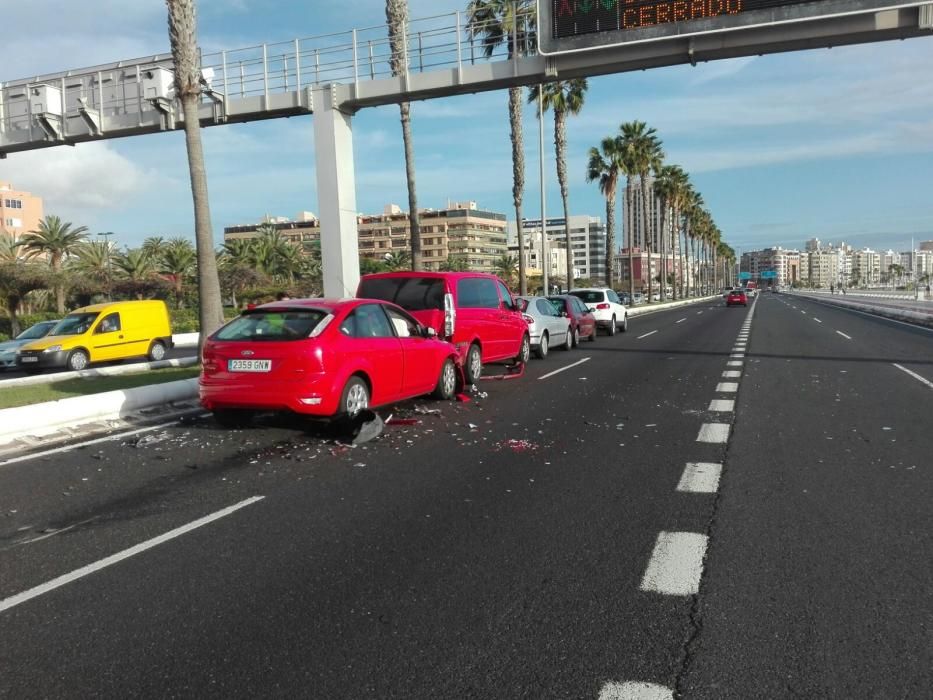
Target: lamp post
(106, 235)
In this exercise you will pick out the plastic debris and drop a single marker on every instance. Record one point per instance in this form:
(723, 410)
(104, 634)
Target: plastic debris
(425, 411)
(517, 445)
(463, 398)
(511, 372)
(402, 421)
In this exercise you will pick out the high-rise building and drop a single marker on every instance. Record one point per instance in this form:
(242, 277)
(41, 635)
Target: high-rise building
(587, 243)
(20, 212)
(783, 263)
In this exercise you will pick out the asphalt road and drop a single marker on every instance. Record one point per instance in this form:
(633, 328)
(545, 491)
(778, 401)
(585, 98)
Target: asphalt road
(544, 541)
(172, 354)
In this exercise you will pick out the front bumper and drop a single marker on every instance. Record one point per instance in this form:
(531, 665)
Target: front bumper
(42, 360)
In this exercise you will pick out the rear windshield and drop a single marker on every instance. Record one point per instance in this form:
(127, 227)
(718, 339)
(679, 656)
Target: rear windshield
(411, 293)
(590, 297)
(74, 324)
(272, 325)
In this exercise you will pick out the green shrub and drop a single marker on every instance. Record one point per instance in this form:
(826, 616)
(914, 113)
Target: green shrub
(25, 320)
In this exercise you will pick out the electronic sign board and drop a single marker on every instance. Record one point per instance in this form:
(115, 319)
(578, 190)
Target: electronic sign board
(579, 25)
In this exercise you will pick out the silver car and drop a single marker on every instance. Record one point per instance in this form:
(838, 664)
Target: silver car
(545, 324)
(9, 348)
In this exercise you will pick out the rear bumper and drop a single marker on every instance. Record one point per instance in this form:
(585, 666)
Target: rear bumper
(314, 397)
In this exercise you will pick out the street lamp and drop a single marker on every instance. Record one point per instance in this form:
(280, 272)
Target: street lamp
(106, 235)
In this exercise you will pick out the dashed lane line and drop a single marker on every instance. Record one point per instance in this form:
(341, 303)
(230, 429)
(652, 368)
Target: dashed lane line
(714, 433)
(634, 691)
(731, 374)
(722, 405)
(564, 369)
(734, 363)
(916, 376)
(681, 320)
(700, 477)
(727, 387)
(847, 337)
(676, 564)
(646, 335)
(816, 319)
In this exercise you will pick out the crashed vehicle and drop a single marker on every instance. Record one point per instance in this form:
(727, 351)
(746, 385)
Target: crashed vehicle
(473, 310)
(324, 358)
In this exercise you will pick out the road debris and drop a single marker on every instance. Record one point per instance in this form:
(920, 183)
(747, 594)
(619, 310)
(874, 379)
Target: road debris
(517, 445)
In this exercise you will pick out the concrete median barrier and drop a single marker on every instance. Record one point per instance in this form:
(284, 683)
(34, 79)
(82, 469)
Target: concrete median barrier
(905, 315)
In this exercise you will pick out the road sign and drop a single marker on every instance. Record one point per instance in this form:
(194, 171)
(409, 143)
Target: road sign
(768, 274)
(745, 275)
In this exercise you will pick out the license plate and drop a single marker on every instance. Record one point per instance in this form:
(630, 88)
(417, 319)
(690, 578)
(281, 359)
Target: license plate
(249, 365)
(29, 359)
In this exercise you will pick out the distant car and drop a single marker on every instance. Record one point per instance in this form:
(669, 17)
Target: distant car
(737, 297)
(751, 292)
(626, 298)
(607, 308)
(547, 326)
(726, 290)
(324, 358)
(8, 348)
(582, 320)
(638, 298)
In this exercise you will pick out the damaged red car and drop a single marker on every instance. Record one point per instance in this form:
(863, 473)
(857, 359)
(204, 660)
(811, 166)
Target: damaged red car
(324, 358)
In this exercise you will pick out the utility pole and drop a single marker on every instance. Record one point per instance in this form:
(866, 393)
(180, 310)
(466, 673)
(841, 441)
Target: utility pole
(545, 260)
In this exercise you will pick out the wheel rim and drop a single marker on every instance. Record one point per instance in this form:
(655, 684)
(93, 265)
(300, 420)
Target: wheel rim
(158, 352)
(526, 348)
(449, 378)
(476, 363)
(78, 361)
(357, 399)
(544, 345)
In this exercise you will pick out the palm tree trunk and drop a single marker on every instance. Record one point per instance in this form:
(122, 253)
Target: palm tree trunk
(610, 234)
(518, 179)
(413, 220)
(560, 144)
(631, 238)
(59, 285)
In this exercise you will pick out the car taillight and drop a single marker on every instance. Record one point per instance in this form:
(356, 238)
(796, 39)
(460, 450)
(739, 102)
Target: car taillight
(528, 319)
(604, 305)
(450, 315)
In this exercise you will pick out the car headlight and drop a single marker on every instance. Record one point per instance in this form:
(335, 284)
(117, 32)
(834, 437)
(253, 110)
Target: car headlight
(53, 348)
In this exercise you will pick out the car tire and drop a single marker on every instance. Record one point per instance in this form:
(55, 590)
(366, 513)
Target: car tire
(570, 341)
(624, 328)
(446, 382)
(473, 367)
(232, 417)
(78, 360)
(525, 353)
(541, 350)
(576, 336)
(612, 327)
(593, 335)
(355, 397)
(156, 351)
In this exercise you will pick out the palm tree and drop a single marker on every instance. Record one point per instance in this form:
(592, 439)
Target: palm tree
(56, 240)
(506, 267)
(397, 21)
(16, 281)
(154, 246)
(509, 22)
(668, 187)
(692, 212)
(9, 249)
(605, 166)
(182, 31)
(398, 260)
(455, 263)
(643, 152)
(177, 263)
(564, 97)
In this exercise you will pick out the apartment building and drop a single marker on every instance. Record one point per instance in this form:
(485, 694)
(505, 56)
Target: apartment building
(587, 244)
(633, 217)
(20, 212)
(556, 251)
(784, 264)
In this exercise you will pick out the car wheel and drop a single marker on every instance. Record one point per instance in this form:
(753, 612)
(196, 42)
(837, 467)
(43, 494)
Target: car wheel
(78, 360)
(576, 336)
(355, 397)
(232, 417)
(569, 341)
(625, 323)
(525, 353)
(447, 382)
(157, 351)
(541, 350)
(593, 335)
(612, 326)
(474, 364)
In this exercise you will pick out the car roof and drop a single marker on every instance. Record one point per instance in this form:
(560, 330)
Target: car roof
(323, 304)
(429, 274)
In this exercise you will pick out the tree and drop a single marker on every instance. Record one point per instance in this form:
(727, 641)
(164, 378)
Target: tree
(397, 20)
(178, 262)
(604, 167)
(399, 260)
(564, 97)
(510, 22)
(56, 240)
(182, 30)
(507, 268)
(17, 279)
(455, 263)
(10, 249)
(669, 187)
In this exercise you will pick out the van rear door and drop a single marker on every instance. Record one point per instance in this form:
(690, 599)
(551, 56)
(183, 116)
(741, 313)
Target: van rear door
(422, 297)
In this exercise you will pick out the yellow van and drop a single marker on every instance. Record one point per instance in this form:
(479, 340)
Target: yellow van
(111, 331)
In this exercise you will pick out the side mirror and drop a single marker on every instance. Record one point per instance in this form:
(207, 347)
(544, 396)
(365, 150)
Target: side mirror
(508, 306)
(428, 332)
(564, 314)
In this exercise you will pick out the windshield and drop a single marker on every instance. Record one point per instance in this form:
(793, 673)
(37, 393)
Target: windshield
(590, 297)
(74, 324)
(411, 293)
(40, 330)
(272, 325)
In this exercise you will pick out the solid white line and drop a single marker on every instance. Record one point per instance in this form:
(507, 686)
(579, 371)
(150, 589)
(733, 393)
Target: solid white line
(727, 387)
(680, 321)
(847, 337)
(721, 405)
(731, 374)
(95, 441)
(717, 433)
(676, 564)
(700, 477)
(813, 317)
(915, 375)
(631, 690)
(563, 369)
(19, 598)
(646, 335)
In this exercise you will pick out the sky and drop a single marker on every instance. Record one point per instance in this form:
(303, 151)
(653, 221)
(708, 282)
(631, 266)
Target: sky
(835, 144)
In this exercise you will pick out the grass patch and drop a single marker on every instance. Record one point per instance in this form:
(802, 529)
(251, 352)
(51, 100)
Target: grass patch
(39, 393)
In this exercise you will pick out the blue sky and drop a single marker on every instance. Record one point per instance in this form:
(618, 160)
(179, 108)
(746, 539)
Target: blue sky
(835, 144)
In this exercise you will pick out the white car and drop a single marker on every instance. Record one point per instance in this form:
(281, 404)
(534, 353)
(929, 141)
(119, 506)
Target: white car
(607, 308)
(548, 328)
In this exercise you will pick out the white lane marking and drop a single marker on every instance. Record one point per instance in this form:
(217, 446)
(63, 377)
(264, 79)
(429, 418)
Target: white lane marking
(676, 564)
(887, 320)
(801, 310)
(734, 363)
(813, 317)
(645, 335)
(847, 337)
(721, 405)
(737, 355)
(564, 369)
(95, 441)
(631, 690)
(55, 532)
(717, 433)
(731, 374)
(41, 589)
(915, 375)
(727, 387)
(700, 477)
(680, 321)
(698, 312)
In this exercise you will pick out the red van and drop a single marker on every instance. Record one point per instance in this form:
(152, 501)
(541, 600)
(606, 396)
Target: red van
(473, 310)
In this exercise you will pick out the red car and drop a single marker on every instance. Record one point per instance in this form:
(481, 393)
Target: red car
(582, 320)
(473, 310)
(322, 357)
(737, 297)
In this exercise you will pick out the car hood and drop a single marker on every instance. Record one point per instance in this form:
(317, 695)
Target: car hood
(8, 345)
(47, 341)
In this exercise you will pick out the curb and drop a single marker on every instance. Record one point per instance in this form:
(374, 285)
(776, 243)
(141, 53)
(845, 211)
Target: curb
(924, 320)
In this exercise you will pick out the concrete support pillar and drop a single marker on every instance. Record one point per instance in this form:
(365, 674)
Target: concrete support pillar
(336, 192)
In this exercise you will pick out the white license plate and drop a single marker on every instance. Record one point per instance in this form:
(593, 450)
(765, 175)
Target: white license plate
(249, 365)
(29, 359)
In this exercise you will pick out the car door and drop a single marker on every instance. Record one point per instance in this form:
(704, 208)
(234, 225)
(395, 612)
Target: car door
(555, 323)
(106, 340)
(514, 326)
(614, 299)
(478, 315)
(421, 364)
(585, 318)
(375, 348)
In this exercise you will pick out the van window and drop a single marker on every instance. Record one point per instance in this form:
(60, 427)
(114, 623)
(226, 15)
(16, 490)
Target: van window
(477, 293)
(411, 293)
(74, 324)
(505, 293)
(110, 323)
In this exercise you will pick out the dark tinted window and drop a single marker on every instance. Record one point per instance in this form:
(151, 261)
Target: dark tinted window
(411, 293)
(590, 297)
(477, 293)
(504, 293)
(367, 321)
(272, 325)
